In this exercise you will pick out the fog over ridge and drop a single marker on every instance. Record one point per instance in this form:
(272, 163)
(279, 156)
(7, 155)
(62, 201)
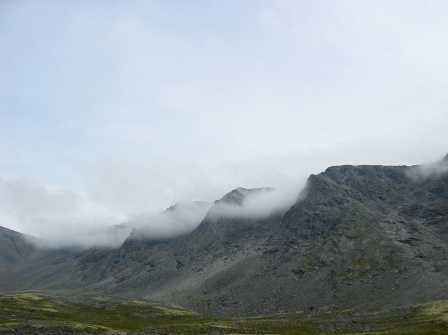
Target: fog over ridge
(66, 218)
(254, 203)
(177, 220)
(425, 171)
(61, 219)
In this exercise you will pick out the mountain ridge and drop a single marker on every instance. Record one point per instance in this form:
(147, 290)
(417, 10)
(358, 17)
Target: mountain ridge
(357, 235)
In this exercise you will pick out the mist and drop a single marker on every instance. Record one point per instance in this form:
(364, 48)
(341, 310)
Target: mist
(82, 237)
(425, 171)
(57, 217)
(256, 204)
(60, 218)
(63, 218)
(177, 220)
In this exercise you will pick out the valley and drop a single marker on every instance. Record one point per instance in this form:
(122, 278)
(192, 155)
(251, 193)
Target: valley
(31, 313)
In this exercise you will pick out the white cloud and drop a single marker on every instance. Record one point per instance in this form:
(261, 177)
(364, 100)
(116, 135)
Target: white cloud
(61, 218)
(177, 220)
(254, 203)
(425, 171)
(58, 217)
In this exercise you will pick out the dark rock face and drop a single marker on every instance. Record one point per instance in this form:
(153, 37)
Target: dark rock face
(373, 234)
(359, 235)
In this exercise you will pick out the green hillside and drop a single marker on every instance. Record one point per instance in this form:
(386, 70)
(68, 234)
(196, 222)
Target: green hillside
(29, 313)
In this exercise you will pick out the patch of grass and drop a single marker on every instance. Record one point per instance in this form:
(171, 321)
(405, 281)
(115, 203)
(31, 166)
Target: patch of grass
(32, 313)
(436, 309)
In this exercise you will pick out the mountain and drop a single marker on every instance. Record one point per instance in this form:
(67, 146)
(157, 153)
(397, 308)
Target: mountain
(13, 248)
(356, 236)
(32, 263)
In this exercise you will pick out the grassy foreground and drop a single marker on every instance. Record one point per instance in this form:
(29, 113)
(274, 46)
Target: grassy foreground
(29, 313)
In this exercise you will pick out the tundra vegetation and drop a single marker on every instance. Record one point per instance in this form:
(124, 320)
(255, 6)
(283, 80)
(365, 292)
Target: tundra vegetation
(31, 313)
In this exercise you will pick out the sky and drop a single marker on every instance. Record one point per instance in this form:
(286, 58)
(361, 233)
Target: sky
(110, 110)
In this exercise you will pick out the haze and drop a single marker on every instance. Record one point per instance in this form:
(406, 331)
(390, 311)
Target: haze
(115, 110)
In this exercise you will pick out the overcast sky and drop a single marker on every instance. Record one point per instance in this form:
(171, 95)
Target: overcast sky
(111, 109)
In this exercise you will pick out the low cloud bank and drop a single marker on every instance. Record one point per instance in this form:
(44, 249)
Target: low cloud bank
(254, 203)
(64, 218)
(84, 238)
(425, 171)
(57, 218)
(177, 220)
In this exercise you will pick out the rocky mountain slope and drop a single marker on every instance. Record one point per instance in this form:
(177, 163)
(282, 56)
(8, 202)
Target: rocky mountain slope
(357, 235)
(14, 247)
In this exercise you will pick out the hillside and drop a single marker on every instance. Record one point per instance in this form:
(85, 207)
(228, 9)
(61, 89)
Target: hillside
(28, 314)
(14, 247)
(357, 236)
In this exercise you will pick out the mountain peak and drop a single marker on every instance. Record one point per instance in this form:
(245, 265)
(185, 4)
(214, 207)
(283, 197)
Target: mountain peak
(238, 195)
